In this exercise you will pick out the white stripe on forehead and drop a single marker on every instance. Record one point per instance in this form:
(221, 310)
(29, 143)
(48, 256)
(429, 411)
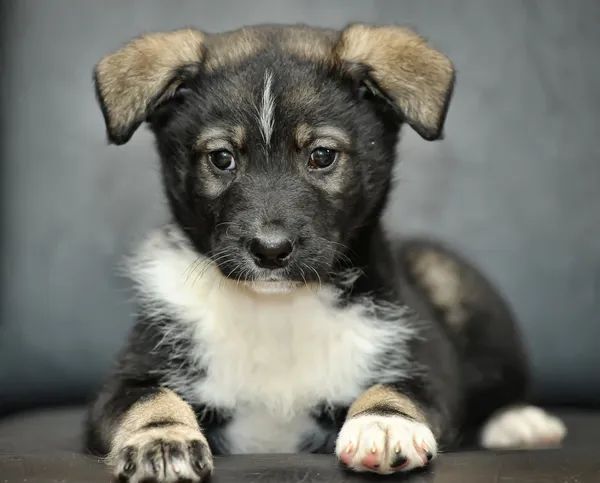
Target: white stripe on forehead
(267, 109)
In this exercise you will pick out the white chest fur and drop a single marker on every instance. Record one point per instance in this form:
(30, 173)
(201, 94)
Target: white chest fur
(270, 358)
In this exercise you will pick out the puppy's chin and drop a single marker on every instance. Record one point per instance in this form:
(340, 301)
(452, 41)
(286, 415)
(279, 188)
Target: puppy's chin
(264, 287)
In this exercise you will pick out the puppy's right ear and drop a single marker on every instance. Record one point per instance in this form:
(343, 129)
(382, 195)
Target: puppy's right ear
(416, 78)
(131, 82)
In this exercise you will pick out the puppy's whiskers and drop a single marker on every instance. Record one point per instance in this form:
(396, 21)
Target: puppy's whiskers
(303, 275)
(243, 274)
(203, 263)
(192, 268)
(318, 276)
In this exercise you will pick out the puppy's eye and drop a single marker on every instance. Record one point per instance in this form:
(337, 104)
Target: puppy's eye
(322, 158)
(222, 160)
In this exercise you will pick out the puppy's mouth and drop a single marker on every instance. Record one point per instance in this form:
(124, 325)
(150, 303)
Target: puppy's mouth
(269, 281)
(274, 282)
(272, 287)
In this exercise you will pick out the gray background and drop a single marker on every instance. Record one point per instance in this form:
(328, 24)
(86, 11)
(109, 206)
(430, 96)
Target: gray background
(515, 185)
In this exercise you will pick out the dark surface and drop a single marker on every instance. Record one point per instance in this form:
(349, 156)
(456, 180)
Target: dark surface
(534, 467)
(514, 185)
(42, 448)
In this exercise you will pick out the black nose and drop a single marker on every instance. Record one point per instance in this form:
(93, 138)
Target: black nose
(272, 250)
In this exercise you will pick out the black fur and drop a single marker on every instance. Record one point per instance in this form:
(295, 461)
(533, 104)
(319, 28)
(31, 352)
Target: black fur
(334, 219)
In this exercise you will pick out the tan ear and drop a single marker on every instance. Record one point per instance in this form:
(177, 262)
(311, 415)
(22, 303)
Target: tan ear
(418, 79)
(135, 79)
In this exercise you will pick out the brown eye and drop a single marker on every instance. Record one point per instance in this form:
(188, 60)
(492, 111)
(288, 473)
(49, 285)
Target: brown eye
(322, 158)
(222, 160)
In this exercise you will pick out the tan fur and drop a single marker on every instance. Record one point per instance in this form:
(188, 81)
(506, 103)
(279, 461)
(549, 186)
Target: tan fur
(212, 139)
(303, 135)
(415, 75)
(129, 79)
(440, 276)
(238, 136)
(322, 136)
(216, 138)
(164, 406)
(233, 47)
(331, 137)
(309, 43)
(380, 395)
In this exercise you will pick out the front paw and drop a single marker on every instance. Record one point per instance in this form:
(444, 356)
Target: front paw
(164, 455)
(385, 444)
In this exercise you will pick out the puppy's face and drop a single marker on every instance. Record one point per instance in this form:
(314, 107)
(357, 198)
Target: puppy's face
(273, 164)
(277, 143)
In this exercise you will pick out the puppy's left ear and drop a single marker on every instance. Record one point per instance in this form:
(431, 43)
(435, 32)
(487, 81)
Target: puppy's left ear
(416, 78)
(133, 81)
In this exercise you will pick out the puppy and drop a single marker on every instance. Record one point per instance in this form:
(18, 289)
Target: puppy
(274, 315)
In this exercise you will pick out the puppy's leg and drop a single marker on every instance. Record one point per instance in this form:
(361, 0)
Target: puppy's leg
(385, 431)
(151, 434)
(495, 366)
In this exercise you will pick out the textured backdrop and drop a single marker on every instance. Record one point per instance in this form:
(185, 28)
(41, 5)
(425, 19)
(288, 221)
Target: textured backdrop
(515, 185)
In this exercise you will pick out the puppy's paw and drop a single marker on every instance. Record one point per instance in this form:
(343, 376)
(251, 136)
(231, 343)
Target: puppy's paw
(522, 427)
(164, 455)
(385, 444)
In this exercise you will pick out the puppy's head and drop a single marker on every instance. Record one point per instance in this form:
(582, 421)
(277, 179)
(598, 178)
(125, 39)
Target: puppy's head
(277, 143)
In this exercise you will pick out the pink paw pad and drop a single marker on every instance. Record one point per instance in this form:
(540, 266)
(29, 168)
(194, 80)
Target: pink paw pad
(372, 459)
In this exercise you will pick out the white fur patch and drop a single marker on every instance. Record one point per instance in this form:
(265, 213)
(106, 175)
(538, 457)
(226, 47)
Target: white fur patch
(255, 430)
(377, 443)
(267, 109)
(270, 358)
(525, 426)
